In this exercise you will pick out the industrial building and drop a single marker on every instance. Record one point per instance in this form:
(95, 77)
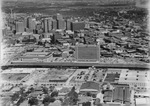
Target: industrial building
(120, 95)
(136, 79)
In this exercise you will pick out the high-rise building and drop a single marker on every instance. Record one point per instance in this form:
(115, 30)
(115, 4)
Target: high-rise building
(45, 25)
(60, 24)
(19, 26)
(25, 22)
(31, 23)
(28, 21)
(77, 26)
(54, 24)
(68, 24)
(58, 17)
(87, 53)
(49, 23)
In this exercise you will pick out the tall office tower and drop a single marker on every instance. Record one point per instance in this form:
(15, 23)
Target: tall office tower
(31, 23)
(25, 22)
(58, 17)
(45, 25)
(60, 24)
(49, 23)
(19, 26)
(28, 21)
(54, 24)
(77, 26)
(87, 53)
(68, 24)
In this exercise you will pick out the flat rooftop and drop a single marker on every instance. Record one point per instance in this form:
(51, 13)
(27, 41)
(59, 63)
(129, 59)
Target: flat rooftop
(36, 53)
(13, 77)
(19, 70)
(134, 76)
(120, 95)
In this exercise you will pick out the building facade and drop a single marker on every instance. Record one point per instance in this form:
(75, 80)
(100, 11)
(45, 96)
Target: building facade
(61, 24)
(20, 27)
(77, 26)
(87, 53)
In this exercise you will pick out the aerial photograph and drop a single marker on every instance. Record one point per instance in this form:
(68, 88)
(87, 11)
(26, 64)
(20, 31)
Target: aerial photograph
(75, 53)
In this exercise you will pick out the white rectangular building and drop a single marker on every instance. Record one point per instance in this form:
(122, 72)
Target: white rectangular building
(136, 79)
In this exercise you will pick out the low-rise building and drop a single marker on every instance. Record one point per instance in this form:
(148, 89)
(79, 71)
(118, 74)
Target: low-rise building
(91, 87)
(137, 79)
(56, 77)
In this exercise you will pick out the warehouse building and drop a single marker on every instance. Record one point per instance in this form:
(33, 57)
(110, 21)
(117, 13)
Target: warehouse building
(136, 79)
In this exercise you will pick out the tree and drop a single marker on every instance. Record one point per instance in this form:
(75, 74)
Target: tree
(51, 88)
(51, 100)
(66, 101)
(33, 101)
(14, 32)
(54, 94)
(97, 102)
(45, 90)
(17, 41)
(22, 90)
(72, 97)
(21, 99)
(31, 89)
(48, 99)
(88, 94)
(15, 96)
